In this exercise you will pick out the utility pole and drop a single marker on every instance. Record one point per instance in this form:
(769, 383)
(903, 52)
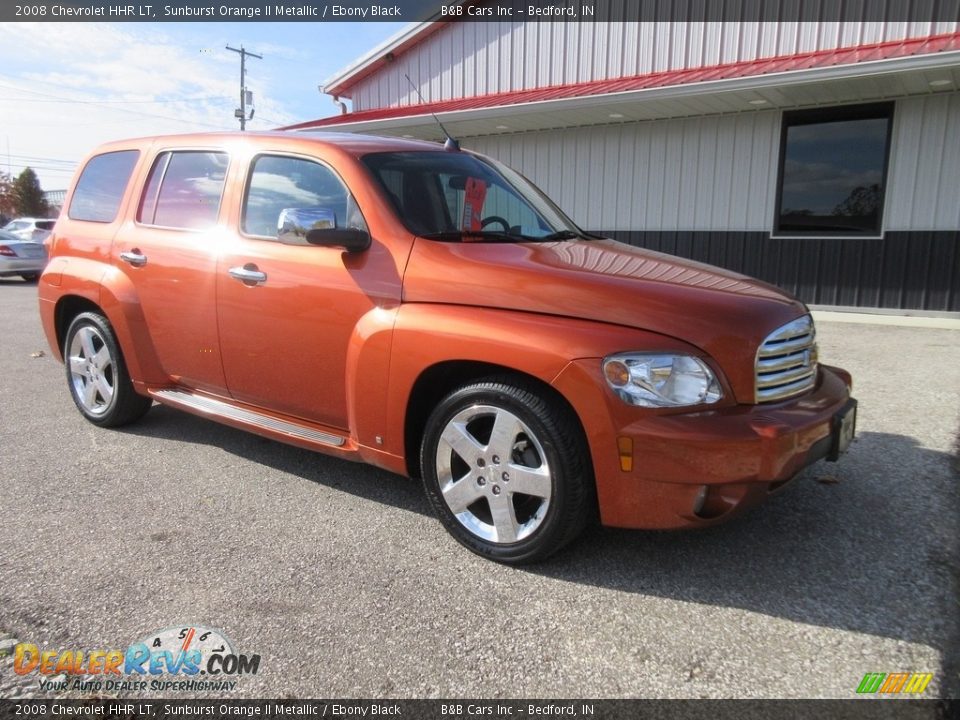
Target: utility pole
(241, 112)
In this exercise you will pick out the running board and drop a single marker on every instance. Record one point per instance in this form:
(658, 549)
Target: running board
(219, 409)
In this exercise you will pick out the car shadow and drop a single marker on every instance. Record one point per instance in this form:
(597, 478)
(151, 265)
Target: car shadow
(867, 545)
(364, 481)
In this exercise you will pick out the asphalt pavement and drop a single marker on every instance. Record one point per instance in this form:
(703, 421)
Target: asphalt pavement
(337, 575)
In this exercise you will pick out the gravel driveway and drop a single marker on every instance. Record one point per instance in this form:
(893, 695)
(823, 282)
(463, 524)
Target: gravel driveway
(339, 578)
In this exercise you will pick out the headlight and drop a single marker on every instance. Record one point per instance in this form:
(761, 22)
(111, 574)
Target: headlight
(658, 380)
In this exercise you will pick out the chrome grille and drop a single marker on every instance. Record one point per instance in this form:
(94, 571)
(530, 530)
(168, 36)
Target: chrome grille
(787, 361)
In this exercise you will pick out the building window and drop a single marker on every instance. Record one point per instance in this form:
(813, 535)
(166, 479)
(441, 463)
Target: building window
(833, 170)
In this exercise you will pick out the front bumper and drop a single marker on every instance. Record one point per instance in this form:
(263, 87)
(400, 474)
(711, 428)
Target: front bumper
(699, 468)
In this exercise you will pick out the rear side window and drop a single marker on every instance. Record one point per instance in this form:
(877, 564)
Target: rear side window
(184, 190)
(101, 185)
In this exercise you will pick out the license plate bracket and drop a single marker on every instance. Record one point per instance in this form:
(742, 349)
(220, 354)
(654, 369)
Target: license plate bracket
(843, 428)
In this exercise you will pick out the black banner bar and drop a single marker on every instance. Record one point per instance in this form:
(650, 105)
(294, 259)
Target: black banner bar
(457, 709)
(480, 10)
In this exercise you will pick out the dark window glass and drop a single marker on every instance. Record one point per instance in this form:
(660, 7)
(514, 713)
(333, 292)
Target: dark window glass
(286, 183)
(184, 190)
(456, 195)
(834, 170)
(101, 185)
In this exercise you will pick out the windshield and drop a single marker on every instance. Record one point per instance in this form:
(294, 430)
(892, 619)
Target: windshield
(457, 196)
(16, 225)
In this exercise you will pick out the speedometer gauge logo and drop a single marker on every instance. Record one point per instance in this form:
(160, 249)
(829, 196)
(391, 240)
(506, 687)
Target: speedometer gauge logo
(188, 650)
(185, 639)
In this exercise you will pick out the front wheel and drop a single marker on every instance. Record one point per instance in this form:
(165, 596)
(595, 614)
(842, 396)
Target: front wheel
(506, 469)
(97, 375)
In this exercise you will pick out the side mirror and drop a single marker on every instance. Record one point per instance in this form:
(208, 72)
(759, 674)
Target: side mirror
(294, 223)
(350, 239)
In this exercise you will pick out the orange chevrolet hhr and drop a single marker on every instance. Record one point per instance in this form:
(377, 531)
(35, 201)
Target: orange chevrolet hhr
(428, 310)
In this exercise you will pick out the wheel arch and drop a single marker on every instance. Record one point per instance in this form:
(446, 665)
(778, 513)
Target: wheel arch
(436, 348)
(439, 380)
(66, 309)
(126, 319)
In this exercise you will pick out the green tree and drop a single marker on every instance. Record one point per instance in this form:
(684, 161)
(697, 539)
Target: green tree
(29, 195)
(8, 202)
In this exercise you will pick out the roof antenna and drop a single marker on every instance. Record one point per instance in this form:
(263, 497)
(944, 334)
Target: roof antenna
(450, 144)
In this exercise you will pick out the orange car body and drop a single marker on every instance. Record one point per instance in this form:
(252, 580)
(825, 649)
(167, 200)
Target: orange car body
(350, 346)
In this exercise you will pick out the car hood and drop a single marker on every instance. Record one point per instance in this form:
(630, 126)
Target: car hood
(725, 314)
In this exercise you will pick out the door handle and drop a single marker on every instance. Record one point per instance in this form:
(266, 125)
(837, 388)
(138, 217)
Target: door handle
(248, 274)
(134, 257)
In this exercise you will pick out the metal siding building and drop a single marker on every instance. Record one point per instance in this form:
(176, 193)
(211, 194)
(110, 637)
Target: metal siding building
(672, 135)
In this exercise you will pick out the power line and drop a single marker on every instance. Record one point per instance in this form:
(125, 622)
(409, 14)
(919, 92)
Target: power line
(34, 158)
(17, 169)
(114, 102)
(123, 110)
(35, 165)
(269, 121)
(48, 98)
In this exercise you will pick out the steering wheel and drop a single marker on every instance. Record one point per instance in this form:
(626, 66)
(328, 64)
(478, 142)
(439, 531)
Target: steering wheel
(495, 219)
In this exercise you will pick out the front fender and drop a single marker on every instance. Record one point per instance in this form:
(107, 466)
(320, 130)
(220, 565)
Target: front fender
(540, 346)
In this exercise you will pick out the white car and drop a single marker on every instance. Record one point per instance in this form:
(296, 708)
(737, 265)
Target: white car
(25, 258)
(35, 229)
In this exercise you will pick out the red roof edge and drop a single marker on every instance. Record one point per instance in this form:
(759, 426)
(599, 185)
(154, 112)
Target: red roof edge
(820, 58)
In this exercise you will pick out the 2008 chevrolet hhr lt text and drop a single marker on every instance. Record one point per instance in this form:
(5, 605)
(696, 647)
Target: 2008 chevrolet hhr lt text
(431, 312)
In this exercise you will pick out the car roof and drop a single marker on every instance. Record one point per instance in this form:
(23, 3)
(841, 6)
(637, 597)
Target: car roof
(351, 143)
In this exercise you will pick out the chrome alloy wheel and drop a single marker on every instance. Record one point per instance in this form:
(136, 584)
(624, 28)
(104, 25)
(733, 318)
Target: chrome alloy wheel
(92, 370)
(493, 474)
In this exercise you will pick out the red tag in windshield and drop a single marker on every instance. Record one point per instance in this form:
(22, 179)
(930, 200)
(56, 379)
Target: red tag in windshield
(473, 199)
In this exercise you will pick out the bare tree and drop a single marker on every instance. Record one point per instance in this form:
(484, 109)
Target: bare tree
(862, 201)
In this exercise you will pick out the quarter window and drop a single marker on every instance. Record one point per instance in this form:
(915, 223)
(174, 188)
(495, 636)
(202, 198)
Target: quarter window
(184, 190)
(833, 171)
(100, 188)
(281, 183)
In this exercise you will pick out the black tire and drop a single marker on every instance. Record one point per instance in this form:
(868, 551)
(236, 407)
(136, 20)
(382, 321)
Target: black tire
(548, 454)
(94, 365)
(30, 277)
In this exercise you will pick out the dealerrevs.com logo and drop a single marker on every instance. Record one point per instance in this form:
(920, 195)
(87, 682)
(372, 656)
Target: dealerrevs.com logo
(188, 658)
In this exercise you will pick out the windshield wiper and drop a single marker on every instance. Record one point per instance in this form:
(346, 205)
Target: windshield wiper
(572, 235)
(563, 235)
(481, 234)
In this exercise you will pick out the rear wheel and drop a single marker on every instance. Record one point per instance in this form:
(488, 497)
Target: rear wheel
(507, 471)
(97, 375)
